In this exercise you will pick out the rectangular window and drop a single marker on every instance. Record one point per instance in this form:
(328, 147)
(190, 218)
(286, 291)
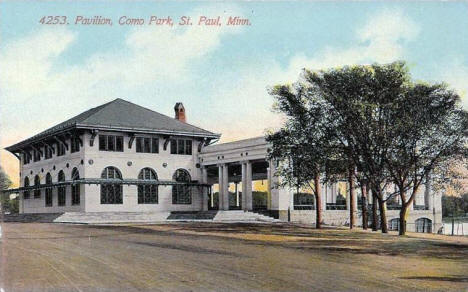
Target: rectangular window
(26, 158)
(26, 195)
(75, 144)
(36, 155)
(37, 194)
(48, 152)
(60, 149)
(173, 146)
(147, 145)
(75, 194)
(139, 144)
(48, 197)
(188, 147)
(111, 143)
(119, 143)
(61, 196)
(182, 147)
(102, 142)
(155, 145)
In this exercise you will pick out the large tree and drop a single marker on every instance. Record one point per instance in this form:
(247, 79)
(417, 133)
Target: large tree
(301, 146)
(429, 128)
(360, 97)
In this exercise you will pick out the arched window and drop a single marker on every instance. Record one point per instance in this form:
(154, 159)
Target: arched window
(48, 191)
(181, 194)
(26, 194)
(147, 194)
(394, 224)
(37, 182)
(61, 190)
(423, 225)
(75, 188)
(111, 193)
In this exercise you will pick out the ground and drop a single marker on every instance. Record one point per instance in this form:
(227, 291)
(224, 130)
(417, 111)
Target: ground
(225, 257)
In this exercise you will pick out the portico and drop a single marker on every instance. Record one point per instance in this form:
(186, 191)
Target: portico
(240, 163)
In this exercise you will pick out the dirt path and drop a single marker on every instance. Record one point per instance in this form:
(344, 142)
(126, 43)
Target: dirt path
(224, 257)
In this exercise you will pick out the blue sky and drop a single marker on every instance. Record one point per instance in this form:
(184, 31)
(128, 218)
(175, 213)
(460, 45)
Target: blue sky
(50, 73)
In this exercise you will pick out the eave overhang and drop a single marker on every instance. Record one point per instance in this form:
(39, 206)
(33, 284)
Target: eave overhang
(75, 126)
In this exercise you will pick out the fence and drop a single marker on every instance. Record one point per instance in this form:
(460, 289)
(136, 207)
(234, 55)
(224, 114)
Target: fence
(455, 226)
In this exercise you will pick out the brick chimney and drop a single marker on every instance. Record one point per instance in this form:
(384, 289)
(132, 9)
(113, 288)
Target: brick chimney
(179, 112)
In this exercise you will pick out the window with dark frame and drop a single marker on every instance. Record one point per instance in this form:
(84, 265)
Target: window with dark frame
(47, 152)
(111, 193)
(111, 143)
(37, 182)
(75, 188)
(36, 155)
(181, 146)
(26, 158)
(147, 194)
(62, 190)
(60, 149)
(147, 145)
(181, 194)
(75, 144)
(48, 191)
(26, 194)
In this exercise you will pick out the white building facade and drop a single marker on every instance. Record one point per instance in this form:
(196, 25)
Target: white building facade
(121, 157)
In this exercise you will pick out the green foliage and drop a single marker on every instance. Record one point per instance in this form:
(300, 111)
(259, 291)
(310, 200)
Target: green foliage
(454, 206)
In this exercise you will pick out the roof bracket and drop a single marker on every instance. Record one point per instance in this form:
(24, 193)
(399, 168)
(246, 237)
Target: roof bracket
(27, 153)
(93, 136)
(37, 149)
(61, 142)
(130, 142)
(166, 141)
(46, 145)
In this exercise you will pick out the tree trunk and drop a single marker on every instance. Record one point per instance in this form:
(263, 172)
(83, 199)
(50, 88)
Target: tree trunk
(383, 216)
(352, 198)
(365, 219)
(318, 202)
(403, 211)
(374, 212)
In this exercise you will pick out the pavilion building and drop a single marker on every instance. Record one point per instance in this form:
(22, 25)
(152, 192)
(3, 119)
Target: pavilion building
(121, 157)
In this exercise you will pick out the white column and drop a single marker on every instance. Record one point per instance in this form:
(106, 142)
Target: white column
(225, 187)
(204, 194)
(324, 197)
(220, 187)
(237, 195)
(244, 185)
(270, 187)
(247, 185)
(428, 200)
(348, 199)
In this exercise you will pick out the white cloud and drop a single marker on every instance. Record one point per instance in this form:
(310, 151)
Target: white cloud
(152, 57)
(455, 73)
(381, 40)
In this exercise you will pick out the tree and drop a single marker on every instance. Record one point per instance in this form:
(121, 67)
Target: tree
(301, 146)
(429, 129)
(5, 183)
(360, 100)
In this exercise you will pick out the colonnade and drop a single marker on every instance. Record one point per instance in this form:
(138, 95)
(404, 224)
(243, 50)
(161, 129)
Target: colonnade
(223, 182)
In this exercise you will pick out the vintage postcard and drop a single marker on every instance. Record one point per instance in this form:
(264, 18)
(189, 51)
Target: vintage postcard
(233, 145)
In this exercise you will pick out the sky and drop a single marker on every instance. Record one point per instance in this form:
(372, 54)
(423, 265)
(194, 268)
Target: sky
(49, 73)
